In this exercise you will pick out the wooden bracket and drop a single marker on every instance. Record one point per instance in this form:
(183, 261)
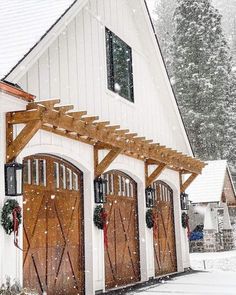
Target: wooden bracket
(15, 146)
(185, 185)
(158, 170)
(77, 125)
(99, 168)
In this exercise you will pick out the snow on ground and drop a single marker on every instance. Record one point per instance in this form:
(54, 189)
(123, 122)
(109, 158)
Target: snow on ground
(215, 274)
(225, 261)
(204, 283)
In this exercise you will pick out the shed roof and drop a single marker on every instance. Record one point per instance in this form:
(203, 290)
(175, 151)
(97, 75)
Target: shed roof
(23, 24)
(208, 187)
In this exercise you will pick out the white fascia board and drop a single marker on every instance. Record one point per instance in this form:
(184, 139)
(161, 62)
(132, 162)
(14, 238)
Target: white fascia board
(48, 39)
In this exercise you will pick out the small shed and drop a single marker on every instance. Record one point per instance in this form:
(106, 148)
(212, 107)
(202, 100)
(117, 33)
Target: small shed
(212, 209)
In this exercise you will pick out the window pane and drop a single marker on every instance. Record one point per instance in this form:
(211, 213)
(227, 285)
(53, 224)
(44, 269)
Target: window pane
(75, 182)
(119, 66)
(120, 186)
(68, 178)
(110, 76)
(11, 181)
(56, 174)
(63, 176)
(42, 172)
(35, 174)
(18, 181)
(27, 172)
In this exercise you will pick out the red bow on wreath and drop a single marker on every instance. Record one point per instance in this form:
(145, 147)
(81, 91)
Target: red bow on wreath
(15, 211)
(104, 219)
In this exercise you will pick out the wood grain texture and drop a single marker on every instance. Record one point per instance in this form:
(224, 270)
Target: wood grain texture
(16, 146)
(158, 170)
(57, 118)
(53, 233)
(163, 231)
(187, 182)
(122, 264)
(100, 167)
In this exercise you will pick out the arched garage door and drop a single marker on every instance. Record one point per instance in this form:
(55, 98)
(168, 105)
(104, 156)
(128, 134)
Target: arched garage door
(164, 231)
(122, 265)
(53, 226)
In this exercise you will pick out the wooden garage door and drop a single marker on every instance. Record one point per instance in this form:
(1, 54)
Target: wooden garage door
(53, 226)
(122, 265)
(164, 232)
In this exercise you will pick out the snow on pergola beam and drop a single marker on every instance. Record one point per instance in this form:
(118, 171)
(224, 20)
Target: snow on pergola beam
(60, 120)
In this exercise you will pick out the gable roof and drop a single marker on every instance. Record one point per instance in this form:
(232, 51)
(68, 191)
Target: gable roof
(208, 186)
(27, 23)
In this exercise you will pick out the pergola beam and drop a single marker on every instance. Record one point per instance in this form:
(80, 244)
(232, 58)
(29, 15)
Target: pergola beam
(74, 125)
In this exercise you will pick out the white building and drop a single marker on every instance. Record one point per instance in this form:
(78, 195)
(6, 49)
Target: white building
(213, 201)
(99, 56)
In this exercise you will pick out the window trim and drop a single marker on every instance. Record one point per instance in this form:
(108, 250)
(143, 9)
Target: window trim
(110, 66)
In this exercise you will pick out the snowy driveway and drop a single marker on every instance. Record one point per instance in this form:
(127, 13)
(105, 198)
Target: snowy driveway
(218, 278)
(214, 282)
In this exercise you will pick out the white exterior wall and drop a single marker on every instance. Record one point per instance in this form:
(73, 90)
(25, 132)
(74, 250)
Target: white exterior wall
(81, 155)
(9, 261)
(73, 68)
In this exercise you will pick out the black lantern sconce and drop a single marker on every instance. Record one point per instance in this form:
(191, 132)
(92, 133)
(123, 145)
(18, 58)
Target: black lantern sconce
(150, 196)
(184, 201)
(100, 190)
(13, 179)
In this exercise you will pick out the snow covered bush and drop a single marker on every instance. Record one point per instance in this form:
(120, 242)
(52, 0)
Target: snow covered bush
(15, 289)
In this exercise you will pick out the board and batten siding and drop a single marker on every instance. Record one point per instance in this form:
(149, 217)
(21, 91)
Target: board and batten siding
(73, 68)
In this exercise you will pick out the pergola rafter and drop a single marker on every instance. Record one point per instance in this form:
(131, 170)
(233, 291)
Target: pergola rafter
(77, 125)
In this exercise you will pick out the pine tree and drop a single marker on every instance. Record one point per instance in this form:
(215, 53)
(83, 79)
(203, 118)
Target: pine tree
(163, 23)
(202, 76)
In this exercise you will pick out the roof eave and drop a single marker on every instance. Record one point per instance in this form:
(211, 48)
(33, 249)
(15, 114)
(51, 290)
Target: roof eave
(14, 91)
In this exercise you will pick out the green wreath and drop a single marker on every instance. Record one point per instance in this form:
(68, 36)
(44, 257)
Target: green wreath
(99, 217)
(7, 215)
(149, 218)
(185, 219)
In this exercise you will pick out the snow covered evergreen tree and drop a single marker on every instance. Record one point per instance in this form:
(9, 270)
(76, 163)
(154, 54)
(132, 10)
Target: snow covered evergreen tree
(163, 22)
(202, 77)
(228, 11)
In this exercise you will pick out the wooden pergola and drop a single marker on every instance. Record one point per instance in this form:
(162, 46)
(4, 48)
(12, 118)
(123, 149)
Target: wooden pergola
(76, 125)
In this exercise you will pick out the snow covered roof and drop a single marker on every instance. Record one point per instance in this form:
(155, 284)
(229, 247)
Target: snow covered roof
(27, 27)
(209, 185)
(22, 26)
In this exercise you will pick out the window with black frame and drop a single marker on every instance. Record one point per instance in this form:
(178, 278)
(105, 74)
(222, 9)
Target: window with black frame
(119, 66)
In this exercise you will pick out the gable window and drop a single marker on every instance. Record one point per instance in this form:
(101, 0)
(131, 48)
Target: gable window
(119, 66)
